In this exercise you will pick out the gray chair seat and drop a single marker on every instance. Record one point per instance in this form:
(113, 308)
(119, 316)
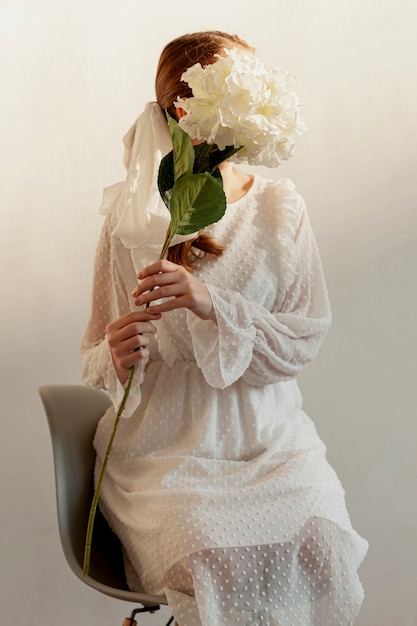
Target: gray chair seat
(73, 412)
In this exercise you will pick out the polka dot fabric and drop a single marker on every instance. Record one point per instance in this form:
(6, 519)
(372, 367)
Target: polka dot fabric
(218, 484)
(303, 581)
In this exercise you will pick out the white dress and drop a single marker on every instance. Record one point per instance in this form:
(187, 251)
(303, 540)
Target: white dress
(218, 485)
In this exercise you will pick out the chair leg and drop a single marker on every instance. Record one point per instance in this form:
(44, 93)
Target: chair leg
(130, 621)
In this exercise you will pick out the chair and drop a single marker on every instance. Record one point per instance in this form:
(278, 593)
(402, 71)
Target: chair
(73, 412)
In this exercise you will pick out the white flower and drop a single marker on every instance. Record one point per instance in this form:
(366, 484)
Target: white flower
(238, 101)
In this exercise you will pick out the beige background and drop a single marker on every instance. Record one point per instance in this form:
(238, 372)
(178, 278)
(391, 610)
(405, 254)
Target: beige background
(74, 76)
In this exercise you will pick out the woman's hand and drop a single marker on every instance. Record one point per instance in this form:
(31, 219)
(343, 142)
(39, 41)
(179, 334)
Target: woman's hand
(128, 340)
(164, 279)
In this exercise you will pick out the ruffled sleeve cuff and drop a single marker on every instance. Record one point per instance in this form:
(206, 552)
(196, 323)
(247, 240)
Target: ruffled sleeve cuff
(223, 351)
(135, 394)
(111, 383)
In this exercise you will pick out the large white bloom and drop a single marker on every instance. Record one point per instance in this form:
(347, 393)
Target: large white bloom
(239, 101)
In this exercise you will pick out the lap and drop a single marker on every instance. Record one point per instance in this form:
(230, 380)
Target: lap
(311, 579)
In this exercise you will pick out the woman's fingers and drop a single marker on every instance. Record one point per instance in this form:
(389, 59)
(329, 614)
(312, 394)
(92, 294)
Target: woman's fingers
(176, 286)
(121, 332)
(128, 339)
(134, 317)
(155, 276)
(158, 267)
(124, 344)
(160, 280)
(131, 329)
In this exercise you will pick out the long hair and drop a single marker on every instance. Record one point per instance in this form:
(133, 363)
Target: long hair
(176, 57)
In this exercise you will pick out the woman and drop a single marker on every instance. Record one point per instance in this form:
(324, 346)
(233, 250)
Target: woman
(217, 485)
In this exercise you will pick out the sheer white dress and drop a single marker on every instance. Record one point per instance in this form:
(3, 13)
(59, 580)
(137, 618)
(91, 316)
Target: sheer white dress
(218, 484)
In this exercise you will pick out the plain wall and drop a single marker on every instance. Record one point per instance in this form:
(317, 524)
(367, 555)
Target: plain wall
(74, 76)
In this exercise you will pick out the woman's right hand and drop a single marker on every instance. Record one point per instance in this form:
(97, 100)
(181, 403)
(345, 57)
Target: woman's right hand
(128, 340)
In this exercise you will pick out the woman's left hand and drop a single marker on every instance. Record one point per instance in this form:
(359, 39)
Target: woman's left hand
(164, 279)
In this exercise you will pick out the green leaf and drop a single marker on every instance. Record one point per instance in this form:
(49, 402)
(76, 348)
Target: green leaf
(197, 200)
(208, 157)
(166, 178)
(218, 156)
(182, 148)
(201, 161)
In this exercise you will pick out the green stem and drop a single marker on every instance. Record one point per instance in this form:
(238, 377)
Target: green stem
(165, 248)
(203, 158)
(168, 239)
(94, 504)
(93, 509)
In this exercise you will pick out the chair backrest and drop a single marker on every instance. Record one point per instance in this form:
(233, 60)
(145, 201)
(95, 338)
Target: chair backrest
(73, 412)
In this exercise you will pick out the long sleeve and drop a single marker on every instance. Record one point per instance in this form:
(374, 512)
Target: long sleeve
(260, 345)
(113, 271)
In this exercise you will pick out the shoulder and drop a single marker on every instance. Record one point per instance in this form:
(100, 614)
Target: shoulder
(281, 209)
(280, 192)
(281, 203)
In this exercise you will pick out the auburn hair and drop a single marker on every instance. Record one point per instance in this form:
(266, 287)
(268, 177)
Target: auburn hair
(177, 56)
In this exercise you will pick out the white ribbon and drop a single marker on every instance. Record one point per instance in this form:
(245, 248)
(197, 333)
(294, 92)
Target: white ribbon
(142, 219)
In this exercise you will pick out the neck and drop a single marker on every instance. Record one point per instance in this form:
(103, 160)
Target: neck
(236, 184)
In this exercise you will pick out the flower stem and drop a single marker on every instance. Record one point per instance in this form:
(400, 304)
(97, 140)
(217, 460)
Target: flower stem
(165, 247)
(204, 159)
(94, 503)
(93, 508)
